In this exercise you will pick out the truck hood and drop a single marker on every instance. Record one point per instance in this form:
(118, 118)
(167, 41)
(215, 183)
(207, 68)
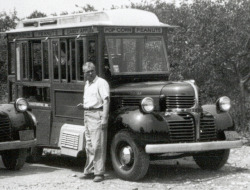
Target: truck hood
(167, 88)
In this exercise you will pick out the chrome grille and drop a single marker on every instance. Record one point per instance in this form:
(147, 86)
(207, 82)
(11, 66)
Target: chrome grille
(173, 102)
(70, 140)
(207, 128)
(182, 130)
(131, 101)
(5, 128)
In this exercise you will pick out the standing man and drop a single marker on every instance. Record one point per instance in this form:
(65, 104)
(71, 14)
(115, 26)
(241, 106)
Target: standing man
(96, 112)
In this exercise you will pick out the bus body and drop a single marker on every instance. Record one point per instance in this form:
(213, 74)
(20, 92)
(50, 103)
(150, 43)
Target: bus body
(150, 116)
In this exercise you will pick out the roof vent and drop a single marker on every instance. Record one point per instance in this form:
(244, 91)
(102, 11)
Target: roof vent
(29, 24)
(48, 22)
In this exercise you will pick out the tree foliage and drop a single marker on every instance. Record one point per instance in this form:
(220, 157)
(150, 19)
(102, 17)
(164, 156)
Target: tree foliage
(87, 8)
(36, 14)
(212, 46)
(7, 22)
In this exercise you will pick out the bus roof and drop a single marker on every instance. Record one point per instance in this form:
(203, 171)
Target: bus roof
(117, 17)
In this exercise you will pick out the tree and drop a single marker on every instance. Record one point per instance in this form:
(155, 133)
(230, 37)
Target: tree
(7, 22)
(36, 14)
(87, 8)
(210, 46)
(64, 13)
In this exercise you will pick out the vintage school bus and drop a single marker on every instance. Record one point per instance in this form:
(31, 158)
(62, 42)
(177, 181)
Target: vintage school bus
(150, 117)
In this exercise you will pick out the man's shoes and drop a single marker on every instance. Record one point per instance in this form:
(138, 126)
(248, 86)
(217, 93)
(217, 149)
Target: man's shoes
(87, 176)
(98, 178)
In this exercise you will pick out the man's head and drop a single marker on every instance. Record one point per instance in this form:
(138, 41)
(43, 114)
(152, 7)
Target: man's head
(89, 71)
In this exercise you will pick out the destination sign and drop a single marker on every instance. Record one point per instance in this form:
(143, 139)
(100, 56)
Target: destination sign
(20, 35)
(118, 30)
(75, 31)
(148, 30)
(48, 33)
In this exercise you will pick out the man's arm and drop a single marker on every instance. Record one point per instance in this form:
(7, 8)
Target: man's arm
(105, 113)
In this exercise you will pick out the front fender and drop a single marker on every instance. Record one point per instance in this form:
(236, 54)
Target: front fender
(223, 120)
(135, 120)
(19, 121)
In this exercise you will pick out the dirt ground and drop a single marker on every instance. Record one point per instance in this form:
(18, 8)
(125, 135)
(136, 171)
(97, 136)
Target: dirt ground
(57, 172)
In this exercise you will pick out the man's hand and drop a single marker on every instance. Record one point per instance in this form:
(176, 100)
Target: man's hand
(104, 122)
(104, 126)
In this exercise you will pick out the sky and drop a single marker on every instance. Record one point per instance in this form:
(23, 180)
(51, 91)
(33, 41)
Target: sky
(25, 7)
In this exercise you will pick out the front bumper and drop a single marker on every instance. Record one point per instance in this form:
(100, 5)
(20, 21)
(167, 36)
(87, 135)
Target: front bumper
(17, 144)
(192, 147)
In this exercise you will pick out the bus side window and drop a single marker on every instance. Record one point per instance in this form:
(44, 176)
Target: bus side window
(80, 49)
(55, 53)
(92, 51)
(72, 61)
(36, 49)
(45, 59)
(24, 60)
(64, 59)
(11, 69)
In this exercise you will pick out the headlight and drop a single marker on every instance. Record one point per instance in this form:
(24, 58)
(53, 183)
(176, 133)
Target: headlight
(21, 105)
(147, 105)
(224, 103)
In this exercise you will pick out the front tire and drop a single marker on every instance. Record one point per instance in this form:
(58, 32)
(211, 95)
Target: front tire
(129, 159)
(35, 155)
(14, 159)
(212, 160)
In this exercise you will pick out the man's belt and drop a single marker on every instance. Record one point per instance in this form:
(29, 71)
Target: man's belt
(93, 109)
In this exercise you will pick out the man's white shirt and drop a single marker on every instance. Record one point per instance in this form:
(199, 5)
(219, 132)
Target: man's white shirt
(95, 93)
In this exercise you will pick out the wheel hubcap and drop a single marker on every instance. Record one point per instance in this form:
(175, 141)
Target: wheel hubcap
(126, 155)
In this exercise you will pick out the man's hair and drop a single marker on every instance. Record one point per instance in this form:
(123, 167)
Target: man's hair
(88, 66)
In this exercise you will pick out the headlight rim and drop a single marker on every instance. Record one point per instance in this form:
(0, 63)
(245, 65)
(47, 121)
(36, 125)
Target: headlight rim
(17, 107)
(220, 102)
(143, 102)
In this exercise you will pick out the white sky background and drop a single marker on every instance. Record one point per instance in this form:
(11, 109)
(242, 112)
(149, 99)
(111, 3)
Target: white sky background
(25, 7)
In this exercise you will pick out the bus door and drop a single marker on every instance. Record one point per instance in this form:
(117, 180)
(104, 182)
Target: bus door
(33, 83)
(68, 56)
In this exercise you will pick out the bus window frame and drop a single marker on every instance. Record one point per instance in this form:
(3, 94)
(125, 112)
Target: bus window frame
(19, 60)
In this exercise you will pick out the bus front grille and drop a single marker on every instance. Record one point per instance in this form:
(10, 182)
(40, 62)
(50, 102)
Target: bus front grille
(69, 140)
(182, 130)
(5, 128)
(207, 128)
(131, 102)
(173, 102)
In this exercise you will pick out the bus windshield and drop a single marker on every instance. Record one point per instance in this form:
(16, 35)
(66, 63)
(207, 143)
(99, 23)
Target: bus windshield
(135, 55)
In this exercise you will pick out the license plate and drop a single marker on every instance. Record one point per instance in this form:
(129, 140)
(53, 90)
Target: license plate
(231, 135)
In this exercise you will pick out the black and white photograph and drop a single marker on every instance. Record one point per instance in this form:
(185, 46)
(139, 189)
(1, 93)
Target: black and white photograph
(124, 94)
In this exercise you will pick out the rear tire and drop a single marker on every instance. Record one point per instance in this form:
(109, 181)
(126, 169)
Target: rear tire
(14, 159)
(212, 160)
(129, 159)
